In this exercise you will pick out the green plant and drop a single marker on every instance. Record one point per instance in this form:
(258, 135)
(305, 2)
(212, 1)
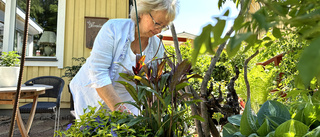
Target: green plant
(160, 97)
(9, 59)
(72, 71)
(105, 124)
(272, 120)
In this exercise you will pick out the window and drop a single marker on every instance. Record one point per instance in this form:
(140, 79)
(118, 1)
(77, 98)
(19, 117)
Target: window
(45, 35)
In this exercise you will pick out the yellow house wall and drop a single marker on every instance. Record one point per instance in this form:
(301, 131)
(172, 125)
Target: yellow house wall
(74, 43)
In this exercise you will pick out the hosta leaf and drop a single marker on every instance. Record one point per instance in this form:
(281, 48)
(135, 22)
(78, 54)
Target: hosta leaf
(248, 120)
(264, 128)
(314, 133)
(273, 109)
(309, 63)
(229, 130)
(235, 119)
(291, 128)
(253, 135)
(271, 134)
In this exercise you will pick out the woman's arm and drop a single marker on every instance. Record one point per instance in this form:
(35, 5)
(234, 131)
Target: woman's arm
(109, 96)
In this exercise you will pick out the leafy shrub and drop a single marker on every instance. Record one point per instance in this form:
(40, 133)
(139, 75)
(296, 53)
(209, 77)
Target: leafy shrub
(272, 120)
(9, 59)
(71, 71)
(104, 124)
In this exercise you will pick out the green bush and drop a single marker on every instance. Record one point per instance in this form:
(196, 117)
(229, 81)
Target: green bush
(9, 59)
(104, 124)
(272, 120)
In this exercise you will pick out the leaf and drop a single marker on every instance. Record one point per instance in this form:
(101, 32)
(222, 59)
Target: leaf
(245, 5)
(264, 128)
(218, 30)
(251, 40)
(182, 70)
(164, 80)
(309, 63)
(273, 109)
(238, 22)
(253, 135)
(154, 92)
(314, 133)
(229, 130)
(181, 85)
(261, 19)
(271, 134)
(136, 120)
(142, 80)
(248, 120)
(309, 113)
(235, 119)
(291, 128)
(235, 43)
(197, 117)
(130, 89)
(295, 93)
(193, 101)
(160, 70)
(200, 40)
(276, 32)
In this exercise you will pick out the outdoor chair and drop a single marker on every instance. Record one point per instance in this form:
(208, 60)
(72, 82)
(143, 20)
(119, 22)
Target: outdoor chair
(46, 106)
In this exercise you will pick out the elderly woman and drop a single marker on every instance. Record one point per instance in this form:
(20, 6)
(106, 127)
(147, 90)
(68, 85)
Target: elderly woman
(118, 41)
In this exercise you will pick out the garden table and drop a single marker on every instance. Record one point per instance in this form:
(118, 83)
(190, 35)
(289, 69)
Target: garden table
(7, 96)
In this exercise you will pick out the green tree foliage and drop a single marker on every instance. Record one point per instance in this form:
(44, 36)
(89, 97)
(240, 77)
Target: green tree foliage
(44, 12)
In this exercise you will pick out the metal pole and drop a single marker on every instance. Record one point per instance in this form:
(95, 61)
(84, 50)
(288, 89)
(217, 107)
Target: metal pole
(25, 40)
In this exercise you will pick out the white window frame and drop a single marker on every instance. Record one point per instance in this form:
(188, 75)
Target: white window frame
(8, 36)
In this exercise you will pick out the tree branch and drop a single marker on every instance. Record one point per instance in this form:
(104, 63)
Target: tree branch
(245, 73)
(203, 88)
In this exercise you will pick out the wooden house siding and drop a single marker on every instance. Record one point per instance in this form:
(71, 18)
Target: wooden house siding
(74, 41)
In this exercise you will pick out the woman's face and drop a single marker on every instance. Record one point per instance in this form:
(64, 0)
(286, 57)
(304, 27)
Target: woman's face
(152, 23)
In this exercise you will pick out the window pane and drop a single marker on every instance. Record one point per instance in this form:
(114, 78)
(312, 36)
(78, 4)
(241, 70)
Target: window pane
(42, 28)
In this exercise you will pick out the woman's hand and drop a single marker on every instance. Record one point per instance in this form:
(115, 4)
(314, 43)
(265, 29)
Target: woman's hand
(123, 108)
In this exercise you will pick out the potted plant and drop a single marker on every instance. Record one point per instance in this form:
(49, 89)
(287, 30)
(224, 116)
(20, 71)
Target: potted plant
(9, 68)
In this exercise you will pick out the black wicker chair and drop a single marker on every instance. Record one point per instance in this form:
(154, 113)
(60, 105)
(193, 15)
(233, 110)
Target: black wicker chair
(55, 92)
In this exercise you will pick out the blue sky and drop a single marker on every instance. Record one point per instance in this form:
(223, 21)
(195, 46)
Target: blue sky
(195, 14)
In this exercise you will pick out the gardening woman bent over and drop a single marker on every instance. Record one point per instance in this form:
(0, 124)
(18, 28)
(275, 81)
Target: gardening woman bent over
(118, 42)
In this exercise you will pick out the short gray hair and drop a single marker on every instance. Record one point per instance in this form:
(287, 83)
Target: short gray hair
(146, 6)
